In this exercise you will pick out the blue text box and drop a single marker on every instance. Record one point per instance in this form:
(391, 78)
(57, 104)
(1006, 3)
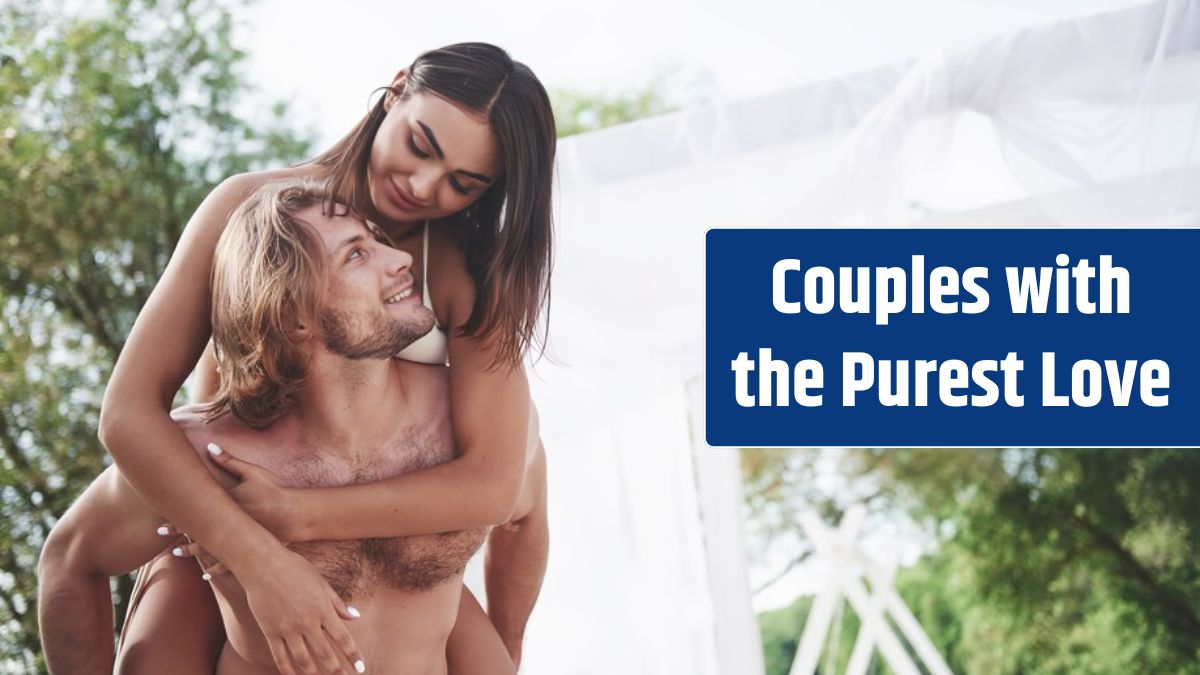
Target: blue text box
(1159, 328)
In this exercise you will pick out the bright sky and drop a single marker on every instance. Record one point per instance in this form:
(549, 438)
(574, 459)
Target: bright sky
(328, 61)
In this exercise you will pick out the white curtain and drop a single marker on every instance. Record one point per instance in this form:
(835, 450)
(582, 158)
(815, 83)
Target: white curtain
(1087, 121)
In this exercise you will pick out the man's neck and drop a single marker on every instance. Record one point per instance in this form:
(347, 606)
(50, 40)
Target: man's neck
(348, 406)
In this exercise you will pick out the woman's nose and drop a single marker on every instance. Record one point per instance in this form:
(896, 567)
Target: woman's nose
(423, 185)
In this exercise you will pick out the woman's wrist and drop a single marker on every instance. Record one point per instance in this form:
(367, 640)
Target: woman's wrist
(243, 553)
(303, 510)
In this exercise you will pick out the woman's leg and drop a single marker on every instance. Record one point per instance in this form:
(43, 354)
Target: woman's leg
(173, 625)
(515, 564)
(474, 647)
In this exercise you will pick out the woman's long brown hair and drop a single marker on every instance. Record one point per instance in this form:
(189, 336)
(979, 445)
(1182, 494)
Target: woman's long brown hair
(507, 234)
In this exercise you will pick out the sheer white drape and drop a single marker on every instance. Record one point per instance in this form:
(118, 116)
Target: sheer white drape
(1087, 121)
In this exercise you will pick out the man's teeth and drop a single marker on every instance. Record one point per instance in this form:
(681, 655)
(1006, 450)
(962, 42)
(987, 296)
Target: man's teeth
(398, 297)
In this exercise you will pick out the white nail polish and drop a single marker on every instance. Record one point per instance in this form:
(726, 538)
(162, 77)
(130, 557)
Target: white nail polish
(163, 530)
(177, 552)
(214, 449)
(360, 667)
(353, 611)
(206, 576)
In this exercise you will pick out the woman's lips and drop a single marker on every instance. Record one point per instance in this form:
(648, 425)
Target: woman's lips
(399, 200)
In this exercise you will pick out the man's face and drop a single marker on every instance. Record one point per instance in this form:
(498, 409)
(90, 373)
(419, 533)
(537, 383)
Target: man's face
(372, 309)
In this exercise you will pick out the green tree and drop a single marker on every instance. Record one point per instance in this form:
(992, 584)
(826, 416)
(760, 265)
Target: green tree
(577, 111)
(1084, 557)
(115, 124)
(781, 628)
(1047, 560)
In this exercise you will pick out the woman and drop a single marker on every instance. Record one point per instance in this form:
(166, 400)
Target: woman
(464, 138)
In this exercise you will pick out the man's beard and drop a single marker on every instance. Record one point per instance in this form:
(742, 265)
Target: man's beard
(381, 337)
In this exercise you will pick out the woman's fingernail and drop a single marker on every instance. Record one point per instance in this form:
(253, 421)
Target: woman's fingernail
(353, 611)
(177, 552)
(214, 449)
(360, 667)
(163, 530)
(206, 576)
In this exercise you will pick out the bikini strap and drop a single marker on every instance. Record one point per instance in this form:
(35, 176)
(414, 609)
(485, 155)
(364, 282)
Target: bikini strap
(425, 268)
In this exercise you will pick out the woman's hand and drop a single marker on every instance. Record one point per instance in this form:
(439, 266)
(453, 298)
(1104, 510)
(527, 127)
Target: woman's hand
(299, 614)
(260, 494)
(184, 547)
(301, 617)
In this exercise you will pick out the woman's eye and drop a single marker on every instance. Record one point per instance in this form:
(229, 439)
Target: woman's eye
(412, 144)
(459, 187)
(356, 253)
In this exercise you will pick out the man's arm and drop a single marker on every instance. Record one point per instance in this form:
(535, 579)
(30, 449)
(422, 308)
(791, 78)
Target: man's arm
(516, 561)
(108, 531)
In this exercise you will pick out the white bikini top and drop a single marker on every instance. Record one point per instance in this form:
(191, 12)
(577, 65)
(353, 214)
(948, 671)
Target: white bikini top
(432, 347)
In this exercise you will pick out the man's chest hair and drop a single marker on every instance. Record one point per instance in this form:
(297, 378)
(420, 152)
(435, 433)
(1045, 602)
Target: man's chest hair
(415, 448)
(356, 568)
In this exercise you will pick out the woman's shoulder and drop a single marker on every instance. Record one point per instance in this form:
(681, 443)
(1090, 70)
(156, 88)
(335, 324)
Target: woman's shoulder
(450, 282)
(231, 192)
(210, 218)
(239, 186)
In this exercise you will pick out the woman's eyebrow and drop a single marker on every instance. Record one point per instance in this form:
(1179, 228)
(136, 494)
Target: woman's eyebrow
(437, 149)
(432, 139)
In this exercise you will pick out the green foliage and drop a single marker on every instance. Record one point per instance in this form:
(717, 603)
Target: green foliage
(115, 124)
(1086, 558)
(1049, 561)
(576, 112)
(781, 628)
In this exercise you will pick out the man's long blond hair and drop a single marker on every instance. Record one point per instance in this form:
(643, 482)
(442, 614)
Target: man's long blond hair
(266, 299)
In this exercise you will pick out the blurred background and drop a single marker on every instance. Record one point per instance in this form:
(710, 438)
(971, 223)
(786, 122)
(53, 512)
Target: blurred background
(669, 556)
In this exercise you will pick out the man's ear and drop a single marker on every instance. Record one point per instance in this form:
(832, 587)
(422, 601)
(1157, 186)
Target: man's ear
(396, 90)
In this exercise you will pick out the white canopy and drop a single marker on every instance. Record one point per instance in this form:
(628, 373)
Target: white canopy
(1087, 121)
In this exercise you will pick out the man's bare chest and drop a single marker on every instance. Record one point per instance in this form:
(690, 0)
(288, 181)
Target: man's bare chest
(356, 568)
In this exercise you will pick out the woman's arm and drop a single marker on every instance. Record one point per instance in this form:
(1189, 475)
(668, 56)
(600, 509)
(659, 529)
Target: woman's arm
(287, 595)
(135, 424)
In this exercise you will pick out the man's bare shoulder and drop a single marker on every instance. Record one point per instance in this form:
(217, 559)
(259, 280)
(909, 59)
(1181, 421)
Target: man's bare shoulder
(203, 428)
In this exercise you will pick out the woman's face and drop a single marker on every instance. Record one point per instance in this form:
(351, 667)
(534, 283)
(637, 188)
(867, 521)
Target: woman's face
(430, 159)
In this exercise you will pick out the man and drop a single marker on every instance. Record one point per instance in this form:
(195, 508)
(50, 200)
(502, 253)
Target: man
(311, 309)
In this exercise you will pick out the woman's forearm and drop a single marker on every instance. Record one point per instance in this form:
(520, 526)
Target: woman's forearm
(135, 421)
(158, 460)
(458, 495)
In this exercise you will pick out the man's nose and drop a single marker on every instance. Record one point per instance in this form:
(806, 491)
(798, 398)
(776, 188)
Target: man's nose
(398, 261)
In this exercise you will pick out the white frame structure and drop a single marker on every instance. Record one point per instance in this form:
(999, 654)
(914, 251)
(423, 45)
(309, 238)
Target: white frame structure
(848, 567)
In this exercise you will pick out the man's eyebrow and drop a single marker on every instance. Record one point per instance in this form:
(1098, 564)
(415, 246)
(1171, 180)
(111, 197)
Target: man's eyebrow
(354, 239)
(438, 149)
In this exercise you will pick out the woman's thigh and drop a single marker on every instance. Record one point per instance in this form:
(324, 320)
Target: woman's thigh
(174, 624)
(474, 647)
